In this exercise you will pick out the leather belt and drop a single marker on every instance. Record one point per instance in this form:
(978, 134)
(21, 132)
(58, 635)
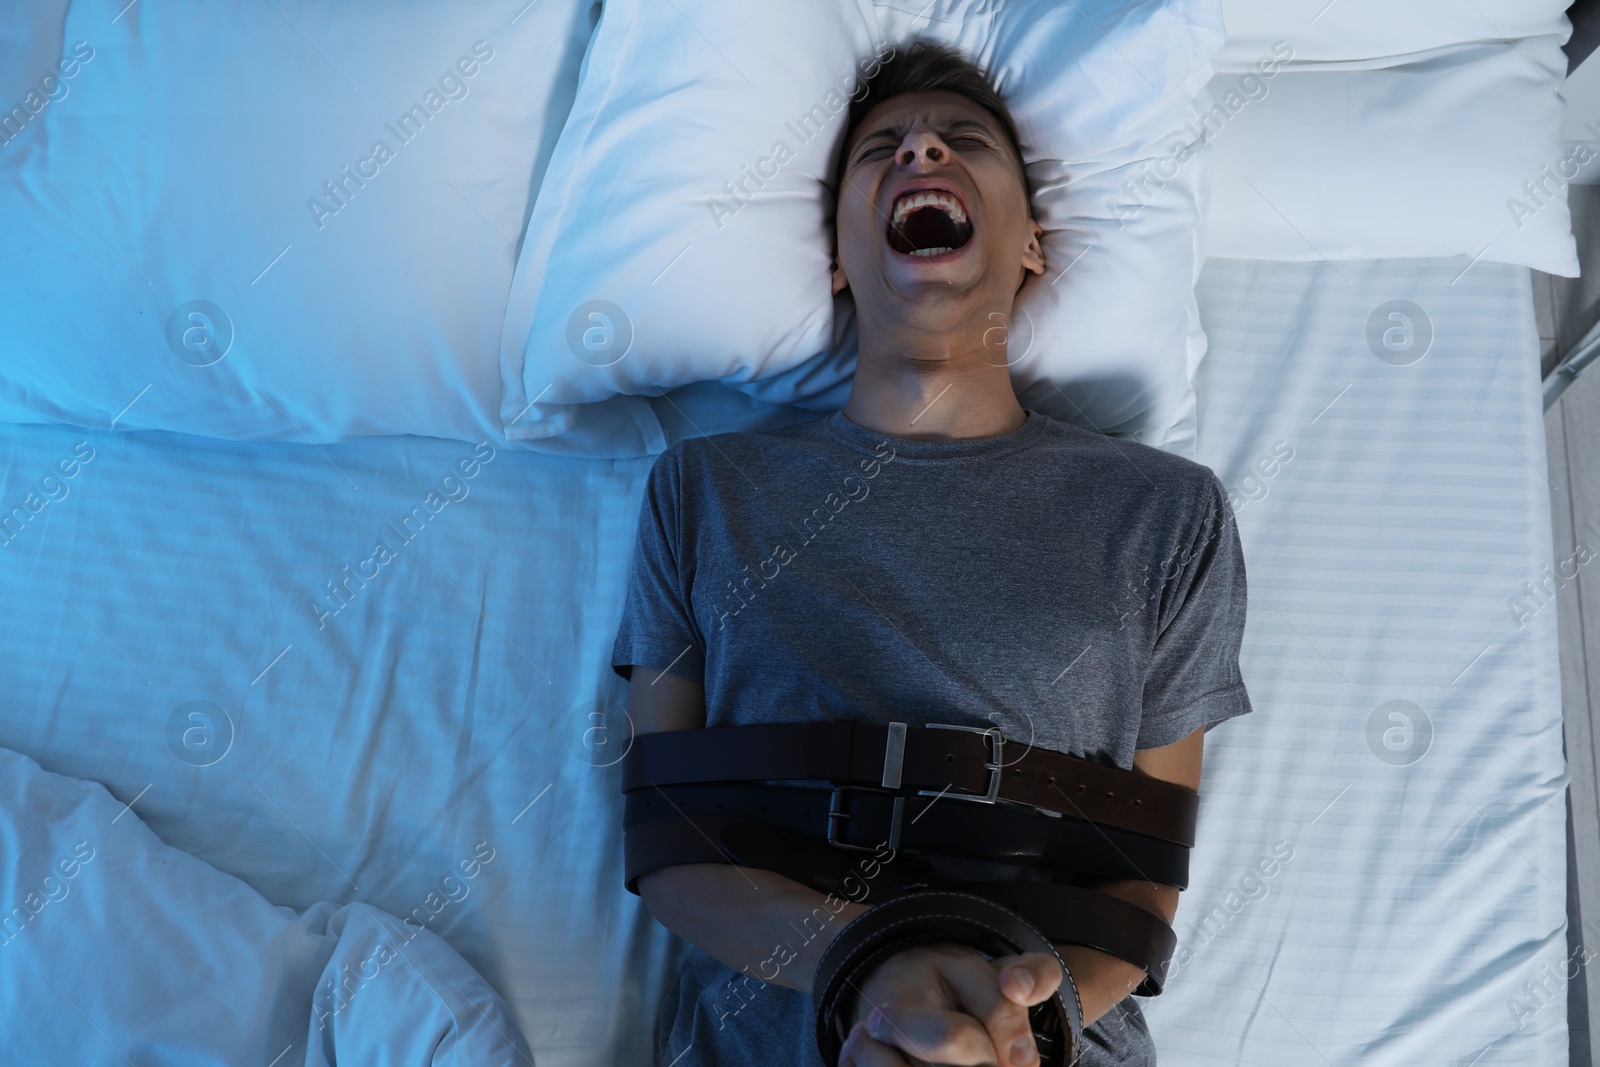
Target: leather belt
(852, 818)
(1067, 914)
(963, 763)
(940, 917)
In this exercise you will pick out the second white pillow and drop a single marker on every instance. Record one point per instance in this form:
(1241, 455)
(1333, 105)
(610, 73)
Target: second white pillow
(1460, 154)
(1377, 32)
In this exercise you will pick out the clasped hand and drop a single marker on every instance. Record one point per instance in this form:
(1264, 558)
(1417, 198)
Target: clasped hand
(949, 1004)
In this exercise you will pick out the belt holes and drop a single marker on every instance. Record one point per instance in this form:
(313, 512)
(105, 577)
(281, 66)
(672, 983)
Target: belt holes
(950, 758)
(1110, 794)
(1051, 779)
(1082, 788)
(1137, 802)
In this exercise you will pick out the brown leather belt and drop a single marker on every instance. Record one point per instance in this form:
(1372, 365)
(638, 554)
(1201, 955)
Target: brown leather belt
(957, 762)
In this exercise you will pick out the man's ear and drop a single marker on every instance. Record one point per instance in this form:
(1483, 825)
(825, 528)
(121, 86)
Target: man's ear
(1032, 254)
(840, 282)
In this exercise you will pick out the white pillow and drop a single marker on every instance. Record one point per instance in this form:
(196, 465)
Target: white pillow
(640, 269)
(640, 274)
(1455, 155)
(173, 961)
(1364, 31)
(173, 202)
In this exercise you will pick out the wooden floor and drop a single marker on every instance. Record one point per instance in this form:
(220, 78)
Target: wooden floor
(1567, 308)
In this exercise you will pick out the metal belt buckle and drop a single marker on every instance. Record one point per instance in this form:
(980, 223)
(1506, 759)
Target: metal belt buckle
(894, 754)
(997, 742)
(835, 816)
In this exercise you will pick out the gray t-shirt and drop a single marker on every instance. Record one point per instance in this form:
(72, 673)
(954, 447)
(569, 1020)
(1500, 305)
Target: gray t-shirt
(1083, 592)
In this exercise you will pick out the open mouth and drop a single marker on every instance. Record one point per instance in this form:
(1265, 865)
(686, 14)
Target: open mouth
(928, 224)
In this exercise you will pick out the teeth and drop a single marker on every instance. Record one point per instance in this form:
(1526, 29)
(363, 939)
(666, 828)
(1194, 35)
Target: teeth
(931, 251)
(907, 204)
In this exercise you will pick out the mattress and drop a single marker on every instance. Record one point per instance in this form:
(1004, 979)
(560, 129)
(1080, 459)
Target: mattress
(1380, 875)
(393, 659)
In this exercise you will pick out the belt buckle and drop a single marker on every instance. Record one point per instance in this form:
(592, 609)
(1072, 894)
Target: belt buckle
(997, 742)
(893, 759)
(894, 754)
(835, 816)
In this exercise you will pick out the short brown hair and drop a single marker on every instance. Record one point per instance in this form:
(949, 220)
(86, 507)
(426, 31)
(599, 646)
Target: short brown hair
(922, 67)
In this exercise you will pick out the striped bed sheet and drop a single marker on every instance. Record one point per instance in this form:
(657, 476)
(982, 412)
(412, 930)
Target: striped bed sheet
(1380, 876)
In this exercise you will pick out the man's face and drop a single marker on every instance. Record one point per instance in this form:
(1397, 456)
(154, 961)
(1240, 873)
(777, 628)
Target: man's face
(948, 161)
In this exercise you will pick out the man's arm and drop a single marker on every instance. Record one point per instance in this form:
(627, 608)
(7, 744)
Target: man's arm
(744, 918)
(1103, 979)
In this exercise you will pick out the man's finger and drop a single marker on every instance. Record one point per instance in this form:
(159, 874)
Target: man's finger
(860, 1050)
(976, 984)
(934, 1035)
(1029, 979)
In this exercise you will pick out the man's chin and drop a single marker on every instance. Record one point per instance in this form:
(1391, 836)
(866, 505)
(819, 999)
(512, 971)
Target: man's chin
(934, 307)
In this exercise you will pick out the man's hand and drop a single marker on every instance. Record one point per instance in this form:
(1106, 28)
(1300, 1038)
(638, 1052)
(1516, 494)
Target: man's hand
(948, 1004)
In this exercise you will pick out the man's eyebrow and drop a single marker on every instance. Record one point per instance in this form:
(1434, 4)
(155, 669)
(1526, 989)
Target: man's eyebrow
(898, 131)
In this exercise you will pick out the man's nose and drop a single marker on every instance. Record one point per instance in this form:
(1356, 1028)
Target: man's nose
(923, 144)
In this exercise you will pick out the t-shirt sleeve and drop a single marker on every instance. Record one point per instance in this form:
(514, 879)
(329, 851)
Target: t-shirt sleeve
(658, 629)
(1194, 677)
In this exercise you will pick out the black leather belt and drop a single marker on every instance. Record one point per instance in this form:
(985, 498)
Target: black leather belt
(1068, 914)
(934, 918)
(963, 763)
(853, 818)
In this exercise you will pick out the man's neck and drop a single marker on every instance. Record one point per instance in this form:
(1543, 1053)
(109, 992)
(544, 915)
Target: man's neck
(955, 395)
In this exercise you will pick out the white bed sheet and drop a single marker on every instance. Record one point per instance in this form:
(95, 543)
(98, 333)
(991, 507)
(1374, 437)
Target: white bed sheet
(453, 699)
(363, 754)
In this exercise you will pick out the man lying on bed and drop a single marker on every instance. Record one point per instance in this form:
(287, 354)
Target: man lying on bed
(934, 553)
